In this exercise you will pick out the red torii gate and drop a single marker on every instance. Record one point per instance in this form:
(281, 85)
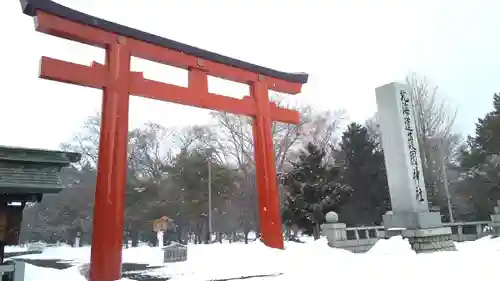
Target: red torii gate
(118, 82)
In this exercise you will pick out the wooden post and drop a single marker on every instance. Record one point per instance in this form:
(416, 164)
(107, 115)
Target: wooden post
(267, 189)
(109, 207)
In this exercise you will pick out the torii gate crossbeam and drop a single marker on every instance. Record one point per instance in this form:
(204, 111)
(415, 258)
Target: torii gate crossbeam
(118, 83)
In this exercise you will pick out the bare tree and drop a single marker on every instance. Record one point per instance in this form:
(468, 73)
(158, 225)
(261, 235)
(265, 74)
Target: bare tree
(373, 127)
(434, 121)
(233, 139)
(86, 141)
(150, 149)
(322, 129)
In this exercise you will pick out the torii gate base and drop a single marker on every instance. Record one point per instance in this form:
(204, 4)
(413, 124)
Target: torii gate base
(118, 82)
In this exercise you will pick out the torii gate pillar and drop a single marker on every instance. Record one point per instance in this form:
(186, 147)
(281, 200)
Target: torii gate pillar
(118, 82)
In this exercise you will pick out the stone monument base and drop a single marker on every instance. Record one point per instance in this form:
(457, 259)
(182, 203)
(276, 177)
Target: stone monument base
(430, 240)
(424, 230)
(412, 220)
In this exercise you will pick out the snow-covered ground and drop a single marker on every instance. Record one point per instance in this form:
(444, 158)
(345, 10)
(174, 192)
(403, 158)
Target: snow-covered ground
(388, 260)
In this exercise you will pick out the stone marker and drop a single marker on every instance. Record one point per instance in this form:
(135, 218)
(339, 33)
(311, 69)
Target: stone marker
(404, 173)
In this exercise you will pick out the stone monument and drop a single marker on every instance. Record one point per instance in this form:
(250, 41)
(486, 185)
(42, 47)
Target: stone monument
(410, 210)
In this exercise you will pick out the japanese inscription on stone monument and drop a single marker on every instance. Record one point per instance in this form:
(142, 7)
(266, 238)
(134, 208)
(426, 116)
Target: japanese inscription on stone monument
(410, 137)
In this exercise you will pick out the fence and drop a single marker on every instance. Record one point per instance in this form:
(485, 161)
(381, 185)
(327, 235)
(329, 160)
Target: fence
(361, 239)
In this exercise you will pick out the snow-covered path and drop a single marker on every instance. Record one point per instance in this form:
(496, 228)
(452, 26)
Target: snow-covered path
(388, 260)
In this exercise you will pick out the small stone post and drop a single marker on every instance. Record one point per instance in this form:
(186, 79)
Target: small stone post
(495, 218)
(334, 231)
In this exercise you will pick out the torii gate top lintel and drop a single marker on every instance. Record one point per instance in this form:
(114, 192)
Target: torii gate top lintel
(32, 8)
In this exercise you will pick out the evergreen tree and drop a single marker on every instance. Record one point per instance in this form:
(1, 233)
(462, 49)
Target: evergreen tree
(481, 159)
(189, 175)
(364, 172)
(486, 142)
(312, 190)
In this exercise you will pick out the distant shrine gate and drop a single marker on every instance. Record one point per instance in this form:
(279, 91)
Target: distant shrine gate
(118, 82)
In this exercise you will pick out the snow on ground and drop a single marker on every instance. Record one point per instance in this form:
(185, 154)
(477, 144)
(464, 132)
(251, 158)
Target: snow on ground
(11, 249)
(390, 259)
(33, 273)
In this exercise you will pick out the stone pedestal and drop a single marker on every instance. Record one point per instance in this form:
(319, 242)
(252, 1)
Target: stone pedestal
(424, 230)
(495, 219)
(412, 220)
(430, 240)
(334, 231)
(410, 211)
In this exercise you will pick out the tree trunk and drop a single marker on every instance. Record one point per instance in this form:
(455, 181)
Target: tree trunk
(316, 231)
(295, 231)
(257, 230)
(198, 237)
(125, 241)
(179, 235)
(288, 233)
(206, 237)
(135, 238)
(246, 237)
(165, 238)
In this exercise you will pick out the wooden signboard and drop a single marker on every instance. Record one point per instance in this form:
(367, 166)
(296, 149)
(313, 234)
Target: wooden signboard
(161, 224)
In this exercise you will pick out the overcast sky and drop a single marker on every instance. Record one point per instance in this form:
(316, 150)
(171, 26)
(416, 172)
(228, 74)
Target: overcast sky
(348, 47)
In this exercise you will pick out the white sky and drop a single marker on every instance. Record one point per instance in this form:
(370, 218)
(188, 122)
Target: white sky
(348, 47)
